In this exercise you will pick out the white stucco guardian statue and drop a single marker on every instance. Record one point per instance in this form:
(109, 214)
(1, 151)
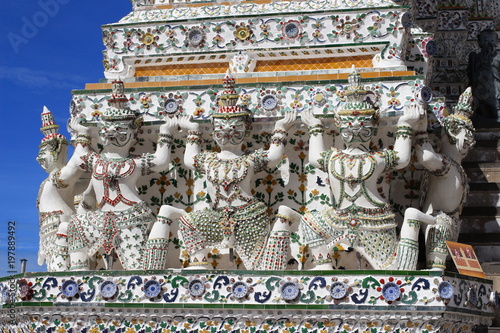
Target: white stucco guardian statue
(445, 182)
(55, 205)
(235, 219)
(360, 218)
(122, 219)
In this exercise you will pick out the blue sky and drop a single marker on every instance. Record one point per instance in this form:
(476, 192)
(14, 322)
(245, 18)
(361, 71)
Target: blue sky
(47, 49)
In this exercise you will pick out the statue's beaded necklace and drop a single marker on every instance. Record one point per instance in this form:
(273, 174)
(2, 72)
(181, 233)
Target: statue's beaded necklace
(234, 171)
(343, 162)
(110, 170)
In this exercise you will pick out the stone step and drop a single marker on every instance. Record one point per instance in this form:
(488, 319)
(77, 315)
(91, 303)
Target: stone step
(487, 143)
(480, 220)
(487, 148)
(493, 268)
(481, 214)
(484, 151)
(482, 192)
(487, 126)
(484, 187)
(483, 198)
(487, 135)
(482, 172)
(480, 211)
(483, 134)
(491, 239)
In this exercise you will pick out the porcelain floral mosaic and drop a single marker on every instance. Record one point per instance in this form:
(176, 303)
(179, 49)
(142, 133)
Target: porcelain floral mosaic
(424, 293)
(244, 9)
(215, 288)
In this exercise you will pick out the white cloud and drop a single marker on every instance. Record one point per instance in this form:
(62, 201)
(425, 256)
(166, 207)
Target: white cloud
(39, 79)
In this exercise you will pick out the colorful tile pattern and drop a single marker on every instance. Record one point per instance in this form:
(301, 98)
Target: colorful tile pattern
(326, 30)
(176, 310)
(262, 66)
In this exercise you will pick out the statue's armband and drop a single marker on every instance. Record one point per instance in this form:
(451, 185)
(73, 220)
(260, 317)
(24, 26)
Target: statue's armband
(147, 164)
(391, 159)
(57, 181)
(260, 159)
(445, 167)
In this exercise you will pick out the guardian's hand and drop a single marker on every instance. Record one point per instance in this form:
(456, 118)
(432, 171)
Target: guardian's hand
(77, 125)
(287, 121)
(413, 113)
(309, 119)
(185, 123)
(171, 124)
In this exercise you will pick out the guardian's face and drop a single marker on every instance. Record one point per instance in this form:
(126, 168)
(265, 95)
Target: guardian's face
(459, 134)
(357, 129)
(116, 133)
(230, 131)
(45, 158)
(463, 139)
(467, 143)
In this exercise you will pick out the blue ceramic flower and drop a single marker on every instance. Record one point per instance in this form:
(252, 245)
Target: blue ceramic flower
(108, 289)
(69, 288)
(196, 287)
(391, 291)
(289, 291)
(445, 290)
(152, 288)
(240, 289)
(338, 290)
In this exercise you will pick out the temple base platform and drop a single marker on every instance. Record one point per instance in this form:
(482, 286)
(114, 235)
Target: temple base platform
(236, 301)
